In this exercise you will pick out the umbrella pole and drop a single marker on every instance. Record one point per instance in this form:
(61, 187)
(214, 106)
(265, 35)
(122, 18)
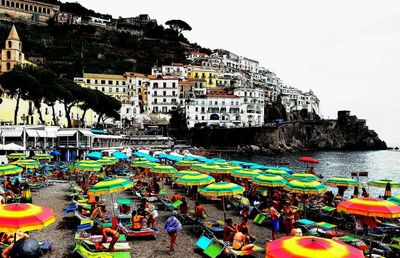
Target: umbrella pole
(112, 204)
(223, 206)
(370, 244)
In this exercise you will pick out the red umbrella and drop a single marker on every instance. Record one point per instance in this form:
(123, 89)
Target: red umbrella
(308, 160)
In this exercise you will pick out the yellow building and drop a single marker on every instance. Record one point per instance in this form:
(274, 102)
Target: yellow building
(203, 73)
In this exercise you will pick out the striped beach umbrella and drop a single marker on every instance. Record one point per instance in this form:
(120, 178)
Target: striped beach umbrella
(109, 186)
(246, 173)
(24, 217)
(16, 155)
(88, 165)
(143, 164)
(163, 169)
(106, 162)
(342, 181)
(383, 182)
(9, 169)
(222, 189)
(182, 173)
(139, 159)
(195, 180)
(269, 180)
(370, 207)
(395, 199)
(204, 168)
(278, 172)
(310, 247)
(27, 163)
(42, 156)
(221, 171)
(299, 176)
(186, 163)
(305, 186)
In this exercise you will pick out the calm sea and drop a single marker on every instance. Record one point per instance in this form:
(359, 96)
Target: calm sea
(379, 164)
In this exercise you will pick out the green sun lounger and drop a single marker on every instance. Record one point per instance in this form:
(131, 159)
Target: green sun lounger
(85, 251)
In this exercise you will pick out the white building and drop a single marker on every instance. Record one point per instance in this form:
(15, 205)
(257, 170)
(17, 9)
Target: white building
(247, 64)
(196, 55)
(163, 95)
(98, 21)
(252, 106)
(175, 70)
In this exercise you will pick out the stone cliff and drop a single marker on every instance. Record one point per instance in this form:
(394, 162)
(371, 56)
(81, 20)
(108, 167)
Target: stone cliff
(346, 133)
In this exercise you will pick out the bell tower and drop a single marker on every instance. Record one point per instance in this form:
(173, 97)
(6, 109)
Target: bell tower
(12, 54)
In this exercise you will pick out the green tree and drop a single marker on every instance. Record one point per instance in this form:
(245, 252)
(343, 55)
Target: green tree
(90, 101)
(70, 96)
(106, 106)
(18, 84)
(178, 25)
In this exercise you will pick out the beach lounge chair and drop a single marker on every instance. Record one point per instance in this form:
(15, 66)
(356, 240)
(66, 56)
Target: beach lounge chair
(308, 227)
(203, 242)
(150, 232)
(255, 251)
(88, 250)
(328, 230)
(96, 238)
(214, 249)
(70, 208)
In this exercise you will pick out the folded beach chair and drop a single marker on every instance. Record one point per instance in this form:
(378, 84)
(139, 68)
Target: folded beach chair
(88, 250)
(150, 232)
(214, 249)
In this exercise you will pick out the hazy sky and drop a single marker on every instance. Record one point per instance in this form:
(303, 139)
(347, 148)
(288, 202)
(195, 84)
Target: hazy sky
(348, 52)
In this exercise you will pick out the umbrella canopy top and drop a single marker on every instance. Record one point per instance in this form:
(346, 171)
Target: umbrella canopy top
(182, 173)
(246, 173)
(222, 189)
(112, 185)
(395, 199)
(305, 186)
(16, 155)
(269, 180)
(143, 164)
(24, 217)
(370, 207)
(42, 156)
(383, 182)
(310, 247)
(308, 160)
(184, 162)
(10, 169)
(27, 163)
(119, 155)
(298, 176)
(106, 162)
(342, 181)
(163, 169)
(88, 165)
(94, 155)
(277, 172)
(55, 153)
(192, 180)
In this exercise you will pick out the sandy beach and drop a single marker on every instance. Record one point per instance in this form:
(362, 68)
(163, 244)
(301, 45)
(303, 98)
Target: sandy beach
(61, 233)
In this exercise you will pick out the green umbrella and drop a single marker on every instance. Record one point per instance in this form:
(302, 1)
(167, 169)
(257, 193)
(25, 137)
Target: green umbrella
(383, 182)
(222, 189)
(88, 165)
(204, 168)
(342, 181)
(139, 159)
(182, 173)
(27, 163)
(278, 172)
(299, 176)
(106, 162)
(305, 186)
(16, 155)
(269, 180)
(42, 156)
(163, 169)
(109, 186)
(143, 164)
(195, 180)
(10, 169)
(394, 199)
(221, 170)
(186, 163)
(246, 173)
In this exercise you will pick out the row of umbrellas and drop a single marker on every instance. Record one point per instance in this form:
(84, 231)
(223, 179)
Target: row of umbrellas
(18, 155)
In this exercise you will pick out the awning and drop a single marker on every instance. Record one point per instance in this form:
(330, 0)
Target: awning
(68, 133)
(31, 133)
(51, 134)
(41, 133)
(13, 147)
(11, 133)
(86, 133)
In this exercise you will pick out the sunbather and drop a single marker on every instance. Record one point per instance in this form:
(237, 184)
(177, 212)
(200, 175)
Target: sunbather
(229, 230)
(10, 240)
(199, 211)
(241, 240)
(136, 221)
(109, 232)
(124, 209)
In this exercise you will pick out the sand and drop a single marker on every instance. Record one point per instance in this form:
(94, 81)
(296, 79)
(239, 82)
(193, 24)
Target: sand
(61, 233)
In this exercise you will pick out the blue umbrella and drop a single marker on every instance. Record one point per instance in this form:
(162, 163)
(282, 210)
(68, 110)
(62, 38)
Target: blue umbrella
(94, 155)
(55, 153)
(119, 155)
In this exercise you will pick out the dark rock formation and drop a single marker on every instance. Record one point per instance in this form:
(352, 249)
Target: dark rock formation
(346, 133)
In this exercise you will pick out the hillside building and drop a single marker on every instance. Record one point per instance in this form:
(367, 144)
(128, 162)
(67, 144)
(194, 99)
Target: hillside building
(29, 10)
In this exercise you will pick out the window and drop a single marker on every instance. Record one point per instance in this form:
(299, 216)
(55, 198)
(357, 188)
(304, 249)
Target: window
(155, 85)
(197, 117)
(173, 93)
(155, 93)
(95, 81)
(155, 109)
(8, 66)
(110, 82)
(46, 111)
(103, 82)
(216, 102)
(164, 109)
(102, 89)
(117, 83)
(164, 100)
(173, 85)
(3, 2)
(196, 109)
(210, 102)
(59, 113)
(110, 89)
(40, 9)
(223, 103)
(12, 4)
(8, 54)
(35, 9)
(117, 89)
(140, 82)
(123, 90)
(88, 81)
(173, 101)
(202, 117)
(164, 85)
(155, 101)
(164, 93)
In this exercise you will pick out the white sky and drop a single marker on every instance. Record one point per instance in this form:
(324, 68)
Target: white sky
(348, 52)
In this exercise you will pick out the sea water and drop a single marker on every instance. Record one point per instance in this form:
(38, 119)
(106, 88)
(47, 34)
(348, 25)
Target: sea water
(380, 165)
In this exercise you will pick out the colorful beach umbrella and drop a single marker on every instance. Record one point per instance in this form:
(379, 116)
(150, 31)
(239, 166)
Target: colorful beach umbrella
(278, 172)
(395, 199)
(204, 168)
(305, 186)
(269, 180)
(246, 173)
(24, 217)
(310, 247)
(221, 170)
(16, 155)
(182, 173)
(195, 180)
(163, 169)
(27, 163)
(308, 160)
(299, 176)
(42, 156)
(186, 163)
(88, 165)
(342, 181)
(94, 155)
(106, 162)
(119, 155)
(383, 182)
(109, 186)
(370, 207)
(222, 189)
(9, 169)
